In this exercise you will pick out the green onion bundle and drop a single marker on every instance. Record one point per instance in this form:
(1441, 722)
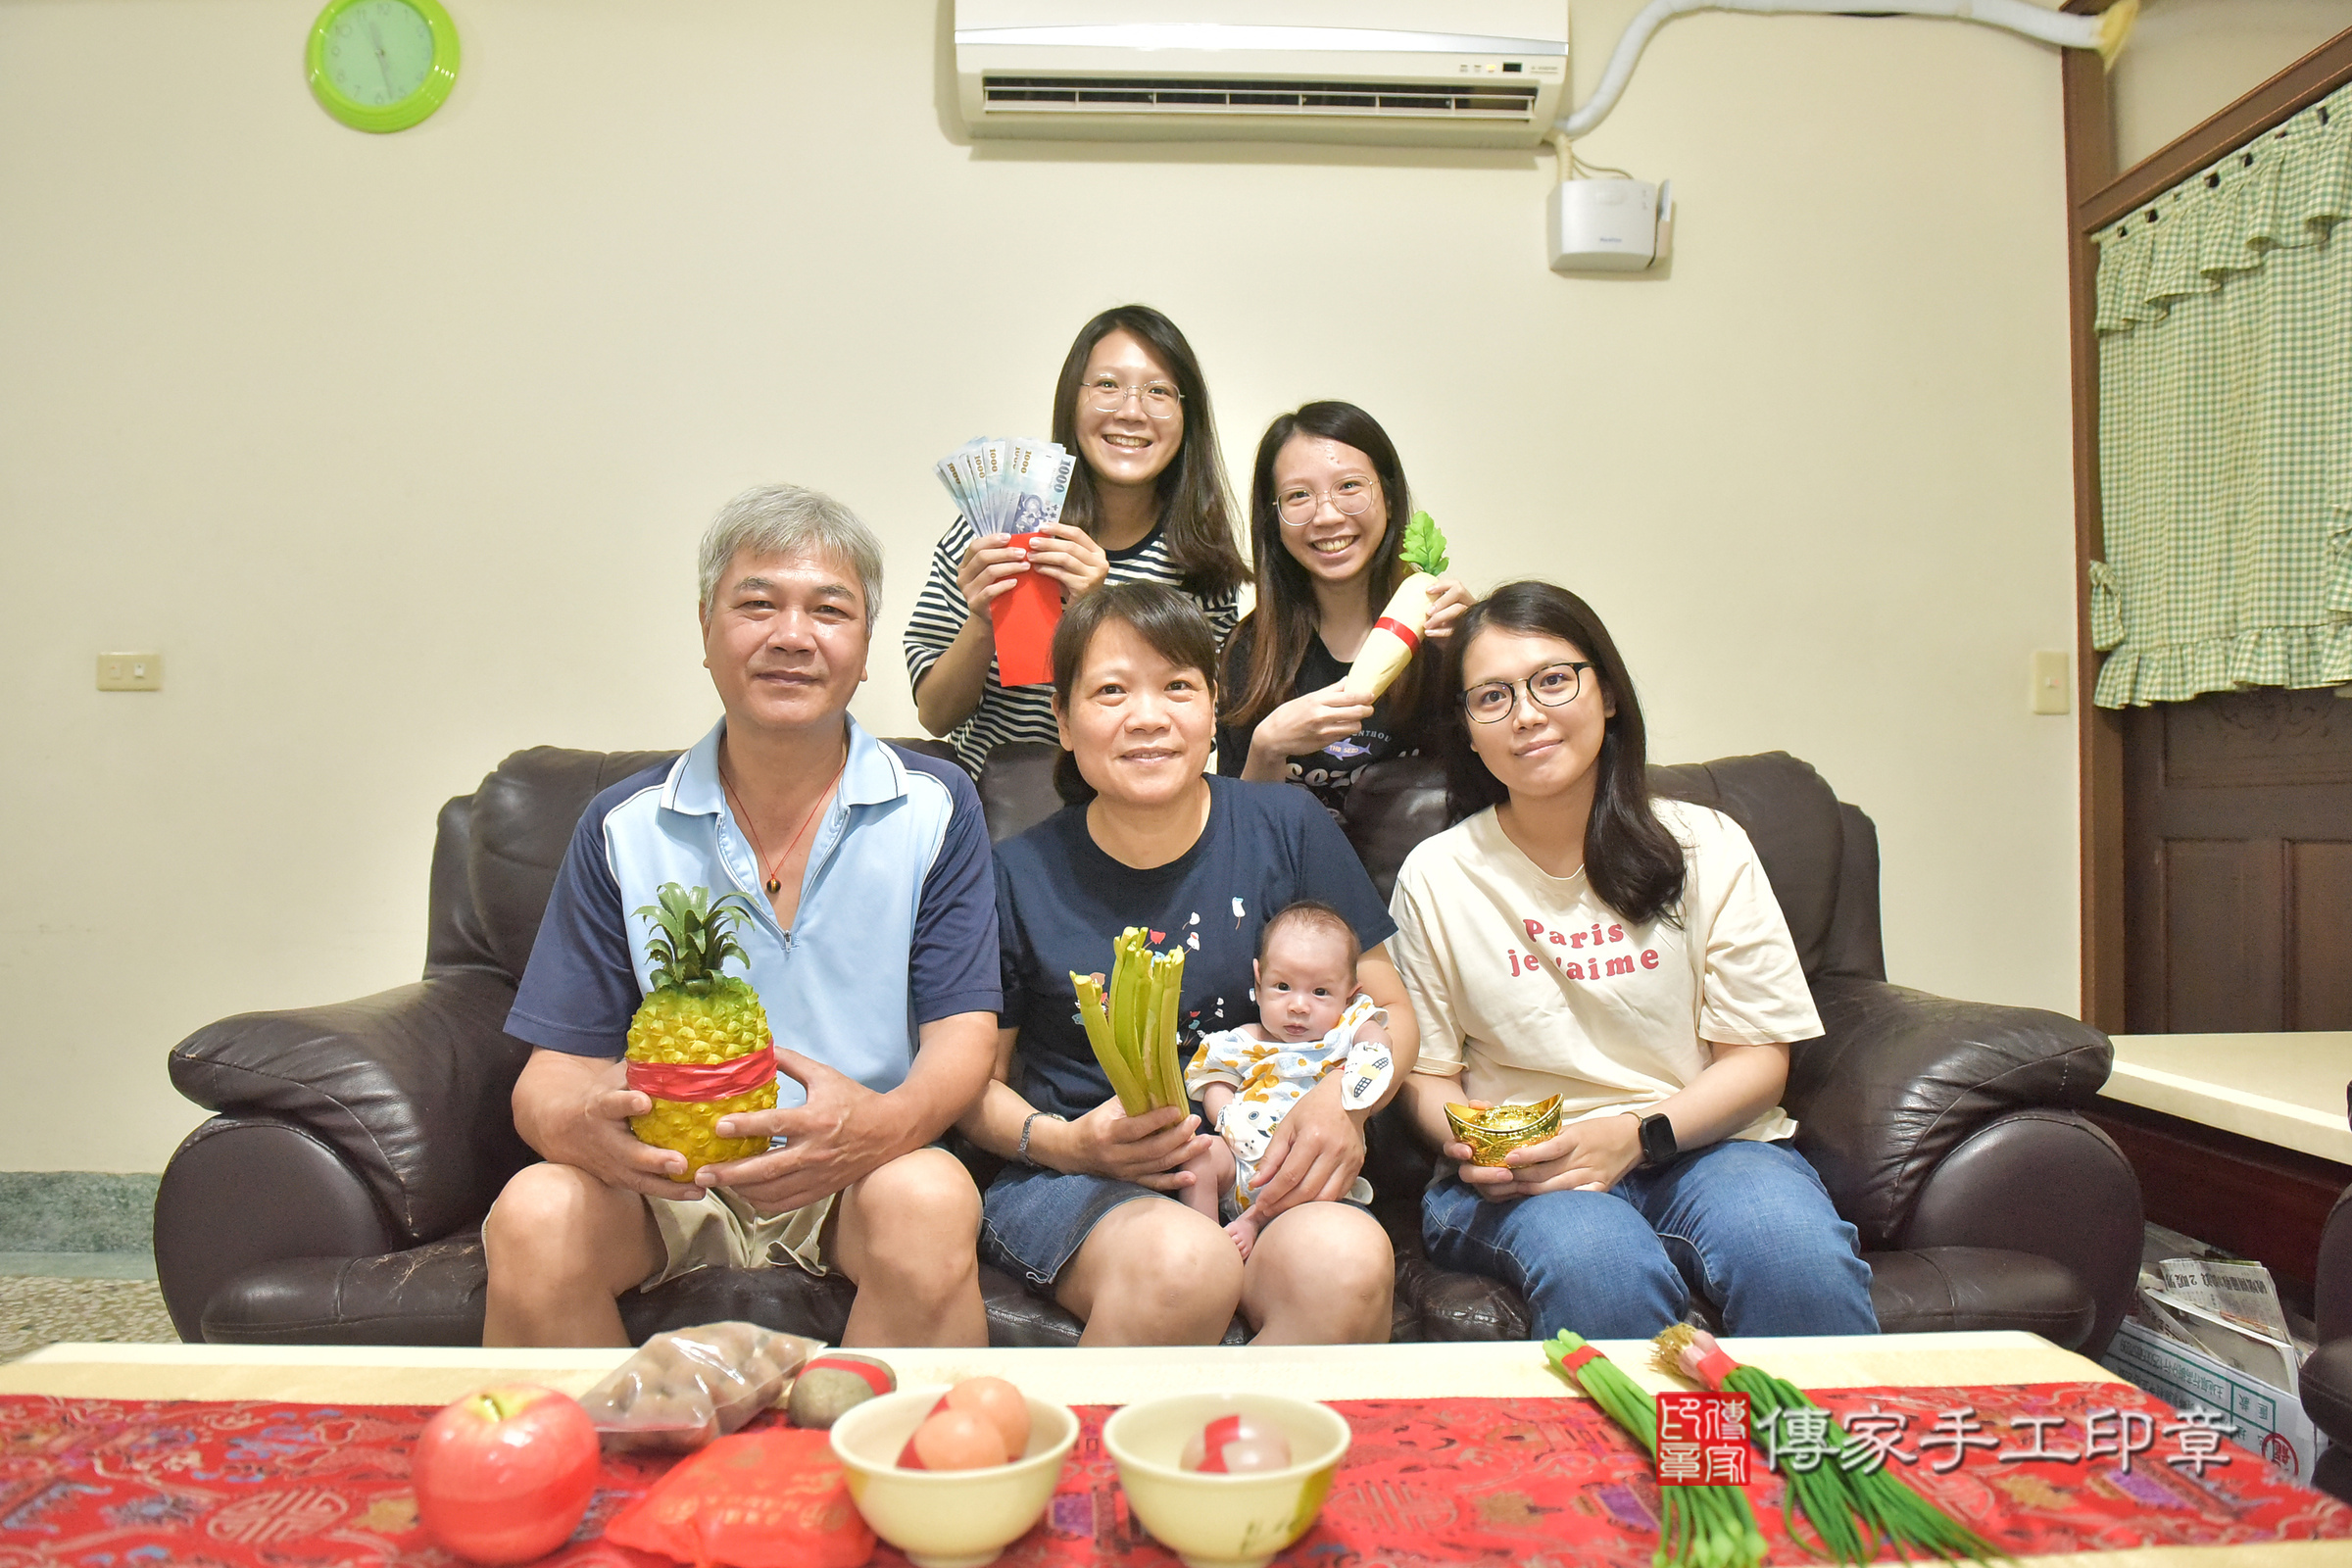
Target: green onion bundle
(1702, 1527)
(1133, 1027)
(1852, 1512)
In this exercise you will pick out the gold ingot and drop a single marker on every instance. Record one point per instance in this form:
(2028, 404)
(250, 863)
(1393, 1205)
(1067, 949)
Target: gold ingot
(1496, 1131)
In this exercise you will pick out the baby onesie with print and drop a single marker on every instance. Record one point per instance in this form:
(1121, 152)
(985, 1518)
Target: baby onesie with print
(1268, 1077)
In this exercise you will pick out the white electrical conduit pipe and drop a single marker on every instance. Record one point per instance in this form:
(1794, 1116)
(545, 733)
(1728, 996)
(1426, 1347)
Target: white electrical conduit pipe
(2104, 33)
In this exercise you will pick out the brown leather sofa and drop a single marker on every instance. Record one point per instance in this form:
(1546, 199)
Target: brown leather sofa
(2327, 1375)
(336, 1195)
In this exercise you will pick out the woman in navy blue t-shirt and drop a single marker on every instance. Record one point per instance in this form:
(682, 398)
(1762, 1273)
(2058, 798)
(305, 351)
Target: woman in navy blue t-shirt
(1153, 842)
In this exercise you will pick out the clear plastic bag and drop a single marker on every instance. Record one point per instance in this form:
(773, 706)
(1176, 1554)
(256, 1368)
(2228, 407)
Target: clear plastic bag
(690, 1387)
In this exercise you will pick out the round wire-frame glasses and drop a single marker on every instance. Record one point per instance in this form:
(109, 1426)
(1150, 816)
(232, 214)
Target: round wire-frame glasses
(1553, 686)
(1352, 495)
(1105, 395)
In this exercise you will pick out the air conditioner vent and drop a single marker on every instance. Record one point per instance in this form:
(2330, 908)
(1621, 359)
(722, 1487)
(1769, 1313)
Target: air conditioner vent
(1198, 95)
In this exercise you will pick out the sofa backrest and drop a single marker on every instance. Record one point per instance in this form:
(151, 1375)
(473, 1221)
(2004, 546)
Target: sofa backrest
(495, 861)
(510, 836)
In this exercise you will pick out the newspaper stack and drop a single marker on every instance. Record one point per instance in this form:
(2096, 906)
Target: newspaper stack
(2229, 1310)
(1007, 484)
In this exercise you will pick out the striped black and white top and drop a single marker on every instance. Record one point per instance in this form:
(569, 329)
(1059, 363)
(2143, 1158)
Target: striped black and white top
(1025, 713)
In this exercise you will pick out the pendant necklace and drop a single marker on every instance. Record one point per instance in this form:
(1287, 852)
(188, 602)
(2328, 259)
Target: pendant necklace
(775, 879)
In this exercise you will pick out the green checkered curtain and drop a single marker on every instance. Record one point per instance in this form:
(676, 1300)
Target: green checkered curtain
(2224, 324)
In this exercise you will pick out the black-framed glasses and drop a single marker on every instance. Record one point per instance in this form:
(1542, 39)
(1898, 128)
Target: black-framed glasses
(1104, 394)
(1553, 686)
(1352, 495)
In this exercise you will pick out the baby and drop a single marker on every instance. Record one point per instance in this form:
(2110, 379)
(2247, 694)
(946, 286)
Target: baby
(1310, 1020)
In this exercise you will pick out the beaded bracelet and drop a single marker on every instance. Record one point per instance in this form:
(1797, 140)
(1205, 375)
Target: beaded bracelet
(1021, 1152)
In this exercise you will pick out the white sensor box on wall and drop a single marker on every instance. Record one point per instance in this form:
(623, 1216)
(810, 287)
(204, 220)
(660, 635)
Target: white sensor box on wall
(1609, 225)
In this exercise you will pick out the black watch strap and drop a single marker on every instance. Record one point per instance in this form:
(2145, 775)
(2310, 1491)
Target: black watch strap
(1657, 1140)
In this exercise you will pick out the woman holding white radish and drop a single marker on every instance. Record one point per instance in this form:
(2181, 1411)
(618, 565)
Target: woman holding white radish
(1325, 677)
(1146, 503)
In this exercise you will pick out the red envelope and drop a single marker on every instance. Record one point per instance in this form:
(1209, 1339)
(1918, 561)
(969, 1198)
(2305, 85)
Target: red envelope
(1025, 618)
(768, 1499)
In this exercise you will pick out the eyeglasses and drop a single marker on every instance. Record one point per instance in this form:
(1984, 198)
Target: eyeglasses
(1105, 395)
(1354, 496)
(1552, 686)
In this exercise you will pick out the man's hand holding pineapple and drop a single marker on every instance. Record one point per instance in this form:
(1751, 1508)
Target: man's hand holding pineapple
(790, 871)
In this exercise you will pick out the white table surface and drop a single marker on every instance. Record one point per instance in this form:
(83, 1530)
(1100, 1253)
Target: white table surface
(2283, 1088)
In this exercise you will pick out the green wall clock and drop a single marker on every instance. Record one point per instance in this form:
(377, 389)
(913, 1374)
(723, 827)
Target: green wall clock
(382, 65)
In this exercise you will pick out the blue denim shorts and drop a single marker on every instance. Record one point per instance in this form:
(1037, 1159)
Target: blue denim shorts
(1032, 1221)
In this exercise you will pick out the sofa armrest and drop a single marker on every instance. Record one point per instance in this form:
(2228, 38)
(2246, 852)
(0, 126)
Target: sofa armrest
(1902, 1077)
(409, 1086)
(2332, 1281)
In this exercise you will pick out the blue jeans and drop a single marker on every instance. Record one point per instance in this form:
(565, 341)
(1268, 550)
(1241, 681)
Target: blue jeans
(1746, 1224)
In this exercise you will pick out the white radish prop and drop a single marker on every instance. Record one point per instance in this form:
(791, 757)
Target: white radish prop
(1389, 646)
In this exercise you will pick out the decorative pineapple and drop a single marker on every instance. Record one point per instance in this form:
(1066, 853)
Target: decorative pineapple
(696, 1016)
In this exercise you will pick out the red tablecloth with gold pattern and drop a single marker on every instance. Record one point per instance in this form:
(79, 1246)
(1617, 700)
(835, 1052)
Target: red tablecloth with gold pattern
(113, 1484)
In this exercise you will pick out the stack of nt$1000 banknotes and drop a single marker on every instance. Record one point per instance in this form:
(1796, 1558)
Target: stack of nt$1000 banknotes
(1007, 484)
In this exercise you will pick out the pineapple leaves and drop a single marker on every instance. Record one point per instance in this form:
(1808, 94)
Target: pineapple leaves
(1424, 545)
(693, 936)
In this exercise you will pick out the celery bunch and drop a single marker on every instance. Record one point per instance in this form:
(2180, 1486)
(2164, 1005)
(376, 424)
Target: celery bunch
(1133, 1027)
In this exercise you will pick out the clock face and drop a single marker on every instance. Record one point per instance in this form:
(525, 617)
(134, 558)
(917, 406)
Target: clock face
(378, 52)
(382, 65)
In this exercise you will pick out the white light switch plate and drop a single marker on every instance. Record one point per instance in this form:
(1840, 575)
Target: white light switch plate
(130, 673)
(2053, 685)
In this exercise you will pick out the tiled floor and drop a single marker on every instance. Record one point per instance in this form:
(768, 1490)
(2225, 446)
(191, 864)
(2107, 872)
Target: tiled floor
(37, 1310)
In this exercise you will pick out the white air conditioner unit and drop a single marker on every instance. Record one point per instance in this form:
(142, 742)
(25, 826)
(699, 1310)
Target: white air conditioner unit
(1392, 72)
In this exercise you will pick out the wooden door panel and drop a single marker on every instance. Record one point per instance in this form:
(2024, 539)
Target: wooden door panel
(2237, 875)
(2319, 950)
(2223, 968)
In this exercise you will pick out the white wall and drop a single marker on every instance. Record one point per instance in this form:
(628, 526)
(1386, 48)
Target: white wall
(397, 446)
(2190, 59)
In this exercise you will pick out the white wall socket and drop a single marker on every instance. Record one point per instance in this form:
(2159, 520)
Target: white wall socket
(130, 673)
(2053, 685)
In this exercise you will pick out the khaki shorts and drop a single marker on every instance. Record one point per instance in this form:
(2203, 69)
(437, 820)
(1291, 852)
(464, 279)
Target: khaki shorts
(719, 1230)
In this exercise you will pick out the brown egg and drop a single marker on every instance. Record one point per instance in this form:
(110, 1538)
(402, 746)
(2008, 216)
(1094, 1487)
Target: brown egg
(999, 1404)
(958, 1439)
(1236, 1445)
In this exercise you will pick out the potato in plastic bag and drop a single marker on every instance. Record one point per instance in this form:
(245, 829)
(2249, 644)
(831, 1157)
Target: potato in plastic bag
(690, 1387)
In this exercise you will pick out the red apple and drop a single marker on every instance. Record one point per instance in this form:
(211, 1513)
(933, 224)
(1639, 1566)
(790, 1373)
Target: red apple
(504, 1476)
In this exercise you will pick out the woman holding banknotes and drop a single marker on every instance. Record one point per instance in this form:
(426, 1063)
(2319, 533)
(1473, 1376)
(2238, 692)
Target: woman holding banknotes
(1146, 503)
(1202, 863)
(1327, 507)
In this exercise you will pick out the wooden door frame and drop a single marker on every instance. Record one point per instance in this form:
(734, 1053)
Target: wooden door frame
(2097, 193)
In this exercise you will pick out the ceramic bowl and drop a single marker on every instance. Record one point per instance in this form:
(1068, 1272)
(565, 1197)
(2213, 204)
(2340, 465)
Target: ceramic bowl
(1224, 1521)
(948, 1518)
(1494, 1132)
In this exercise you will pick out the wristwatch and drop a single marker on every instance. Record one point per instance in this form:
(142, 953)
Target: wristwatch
(1657, 1140)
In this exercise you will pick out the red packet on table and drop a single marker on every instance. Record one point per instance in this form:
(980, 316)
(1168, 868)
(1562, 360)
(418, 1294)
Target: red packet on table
(1025, 618)
(771, 1498)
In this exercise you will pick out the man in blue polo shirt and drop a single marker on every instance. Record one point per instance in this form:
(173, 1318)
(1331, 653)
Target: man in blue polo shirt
(872, 947)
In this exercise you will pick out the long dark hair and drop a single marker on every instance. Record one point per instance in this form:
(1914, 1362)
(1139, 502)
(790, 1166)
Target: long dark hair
(1170, 622)
(1285, 614)
(1191, 493)
(1630, 859)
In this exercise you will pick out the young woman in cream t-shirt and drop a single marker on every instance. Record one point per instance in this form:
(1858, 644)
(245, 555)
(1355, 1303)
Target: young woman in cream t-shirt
(1578, 937)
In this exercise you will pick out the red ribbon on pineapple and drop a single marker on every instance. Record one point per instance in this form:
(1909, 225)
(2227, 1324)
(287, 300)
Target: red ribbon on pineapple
(696, 1082)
